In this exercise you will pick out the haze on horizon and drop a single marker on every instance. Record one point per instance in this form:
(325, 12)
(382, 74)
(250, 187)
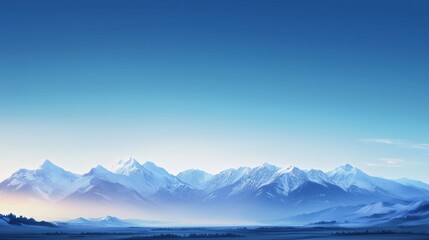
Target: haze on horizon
(215, 85)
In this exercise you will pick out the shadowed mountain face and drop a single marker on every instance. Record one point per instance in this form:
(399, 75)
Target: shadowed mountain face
(263, 192)
(11, 219)
(382, 214)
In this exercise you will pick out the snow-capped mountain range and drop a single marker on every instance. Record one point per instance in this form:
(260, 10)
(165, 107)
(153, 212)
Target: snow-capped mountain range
(273, 191)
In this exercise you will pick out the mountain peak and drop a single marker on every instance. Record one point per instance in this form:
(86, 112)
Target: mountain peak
(289, 169)
(99, 170)
(126, 167)
(347, 167)
(47, 164)
(194, 171)
(110, 218)
(194, 177)
(149, 164)
(269, 166)
(152, 167)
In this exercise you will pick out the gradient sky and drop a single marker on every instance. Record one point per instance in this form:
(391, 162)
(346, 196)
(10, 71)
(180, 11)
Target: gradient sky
(216, 84)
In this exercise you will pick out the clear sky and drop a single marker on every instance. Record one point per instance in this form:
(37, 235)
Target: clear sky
(216, 84)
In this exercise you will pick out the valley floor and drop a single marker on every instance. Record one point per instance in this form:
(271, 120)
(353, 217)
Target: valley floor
(272, 233)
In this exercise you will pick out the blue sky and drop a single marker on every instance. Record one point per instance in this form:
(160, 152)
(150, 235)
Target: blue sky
(216, 84)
